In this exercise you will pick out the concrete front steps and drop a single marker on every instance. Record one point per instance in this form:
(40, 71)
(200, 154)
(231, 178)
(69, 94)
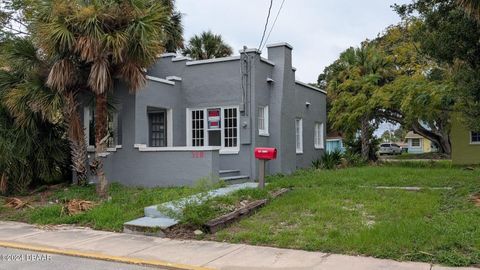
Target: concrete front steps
(233, 177)
(159, 217)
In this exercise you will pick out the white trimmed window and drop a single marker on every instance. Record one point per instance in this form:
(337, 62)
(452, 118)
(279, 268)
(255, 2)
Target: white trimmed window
(318, 136)
(474, 137)
(230, 124)
(197, 128)
(299, 135)
(416, 142)
(218, 126)
(263, 121)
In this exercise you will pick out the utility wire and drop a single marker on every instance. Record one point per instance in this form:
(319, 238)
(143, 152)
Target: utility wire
(273, 25)
(266, 24)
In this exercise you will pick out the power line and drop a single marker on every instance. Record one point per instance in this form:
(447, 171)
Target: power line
(266, 24)
(273, 25)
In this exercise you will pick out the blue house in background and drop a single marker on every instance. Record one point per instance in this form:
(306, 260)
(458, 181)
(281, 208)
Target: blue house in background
(334, 142)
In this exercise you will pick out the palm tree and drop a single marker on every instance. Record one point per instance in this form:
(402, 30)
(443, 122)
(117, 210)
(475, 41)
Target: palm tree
(31, 123)
(207, 46)
(472, 7)
(173, 40)
(103, 40)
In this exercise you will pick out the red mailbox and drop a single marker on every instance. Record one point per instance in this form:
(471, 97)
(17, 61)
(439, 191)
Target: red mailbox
(265, 153)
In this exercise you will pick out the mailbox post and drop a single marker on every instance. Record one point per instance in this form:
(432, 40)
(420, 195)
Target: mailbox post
(264, 154)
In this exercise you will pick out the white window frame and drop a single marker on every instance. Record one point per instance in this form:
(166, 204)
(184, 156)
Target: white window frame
(471, 138)
(189, 127)
(299, 135)
(263, 115)
(223, 150)
(419, 143)
(168, 126)
(318, 136)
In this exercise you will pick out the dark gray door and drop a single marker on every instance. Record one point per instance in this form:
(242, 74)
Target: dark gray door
(158, 129)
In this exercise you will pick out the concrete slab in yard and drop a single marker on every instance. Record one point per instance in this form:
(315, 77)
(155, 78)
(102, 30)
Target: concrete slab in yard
(177, 206)
(187, 252)
(150, 222)
(158, 216)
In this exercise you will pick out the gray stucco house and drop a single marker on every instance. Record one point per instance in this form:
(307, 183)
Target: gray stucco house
(198, 119)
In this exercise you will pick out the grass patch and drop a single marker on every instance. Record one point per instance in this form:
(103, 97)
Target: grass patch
(332, 211)
(125, 204)
(197, 214)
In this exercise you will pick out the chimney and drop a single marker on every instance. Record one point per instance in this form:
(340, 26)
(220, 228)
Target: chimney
(281, 54)
(281, 97)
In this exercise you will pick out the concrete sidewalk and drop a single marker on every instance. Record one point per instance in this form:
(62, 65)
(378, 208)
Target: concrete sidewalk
(179, 254)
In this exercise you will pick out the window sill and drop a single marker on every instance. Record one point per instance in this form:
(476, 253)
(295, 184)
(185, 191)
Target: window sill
(91, 148)
(299, 153)
(319, 147)
(144, 148)
(263, 134)
(474, 143)
(229, 151)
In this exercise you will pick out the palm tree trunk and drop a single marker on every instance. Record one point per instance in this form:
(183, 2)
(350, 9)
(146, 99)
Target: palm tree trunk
(76, 137)
(101, 119)
(365, 139)
(3, 183)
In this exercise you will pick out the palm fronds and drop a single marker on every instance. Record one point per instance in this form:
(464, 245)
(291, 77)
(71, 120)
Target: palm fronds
(472, 7)
(206, 46)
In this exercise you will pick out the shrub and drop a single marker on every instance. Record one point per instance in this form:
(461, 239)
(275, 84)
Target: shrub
(328, 161)
(353, 159)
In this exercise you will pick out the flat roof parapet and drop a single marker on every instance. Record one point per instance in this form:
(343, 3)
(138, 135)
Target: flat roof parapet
(280, 44)
(214, 60)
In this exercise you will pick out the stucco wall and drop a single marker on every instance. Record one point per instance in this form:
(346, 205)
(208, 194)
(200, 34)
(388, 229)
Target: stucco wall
(132, 167)
(462, 151)
(315, 112)
(165, 96)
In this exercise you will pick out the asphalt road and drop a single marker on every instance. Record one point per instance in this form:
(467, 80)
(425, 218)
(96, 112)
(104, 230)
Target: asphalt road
(14, 259)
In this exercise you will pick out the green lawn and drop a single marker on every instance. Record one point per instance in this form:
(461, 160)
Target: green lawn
(126, 203)
(337, 211)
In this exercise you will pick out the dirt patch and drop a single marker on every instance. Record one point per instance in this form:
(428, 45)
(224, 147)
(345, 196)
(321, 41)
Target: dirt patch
(476, 199)
(181, 232)
(75, 206)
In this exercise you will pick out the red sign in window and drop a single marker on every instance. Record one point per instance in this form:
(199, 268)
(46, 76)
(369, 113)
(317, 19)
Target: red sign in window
(214, 119)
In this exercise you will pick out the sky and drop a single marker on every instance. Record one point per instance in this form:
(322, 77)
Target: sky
(319, 30)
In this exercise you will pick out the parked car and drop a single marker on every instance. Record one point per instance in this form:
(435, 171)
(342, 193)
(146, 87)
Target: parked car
(390, 149)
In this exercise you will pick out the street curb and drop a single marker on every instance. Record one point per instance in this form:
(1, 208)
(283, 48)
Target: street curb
(99, 256)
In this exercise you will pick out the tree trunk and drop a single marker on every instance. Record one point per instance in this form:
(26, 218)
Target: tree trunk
(365, 139)
(76, 137)
(3, 183)
(441, 140)
(101, 130)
